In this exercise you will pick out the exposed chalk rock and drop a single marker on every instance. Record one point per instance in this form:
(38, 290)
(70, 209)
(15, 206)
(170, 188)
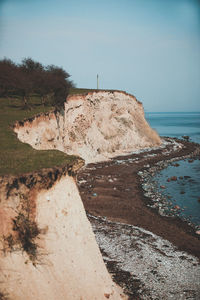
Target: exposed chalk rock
(95, 126)
(48, 249)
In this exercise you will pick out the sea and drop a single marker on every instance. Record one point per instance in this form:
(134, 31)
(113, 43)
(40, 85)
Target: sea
(183, 193)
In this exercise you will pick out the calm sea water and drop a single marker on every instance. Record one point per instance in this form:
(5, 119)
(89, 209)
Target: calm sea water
(185, 191)
(176, 124)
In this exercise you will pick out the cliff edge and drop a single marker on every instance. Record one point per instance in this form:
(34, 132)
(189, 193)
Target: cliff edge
(95, 126)
(48, 249)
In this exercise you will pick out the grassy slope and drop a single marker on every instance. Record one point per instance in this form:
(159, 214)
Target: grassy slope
(16, 157)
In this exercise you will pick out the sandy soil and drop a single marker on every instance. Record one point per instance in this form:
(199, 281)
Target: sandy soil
(113, 190)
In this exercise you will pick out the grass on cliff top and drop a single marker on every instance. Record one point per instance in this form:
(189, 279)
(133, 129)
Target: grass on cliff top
(17, 157)
(81, 91)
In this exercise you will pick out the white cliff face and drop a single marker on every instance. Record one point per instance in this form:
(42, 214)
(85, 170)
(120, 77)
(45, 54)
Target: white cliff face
(68, 265)
(96, 126)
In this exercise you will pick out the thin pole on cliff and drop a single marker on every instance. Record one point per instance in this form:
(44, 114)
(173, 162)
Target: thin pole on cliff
(97, 81)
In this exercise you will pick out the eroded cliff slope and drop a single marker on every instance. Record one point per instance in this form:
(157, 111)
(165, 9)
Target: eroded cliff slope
(95, 126)
(48, 249)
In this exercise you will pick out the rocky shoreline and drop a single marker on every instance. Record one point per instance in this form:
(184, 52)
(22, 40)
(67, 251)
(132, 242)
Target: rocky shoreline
(145, 265)
(161, 201)
(113, 190)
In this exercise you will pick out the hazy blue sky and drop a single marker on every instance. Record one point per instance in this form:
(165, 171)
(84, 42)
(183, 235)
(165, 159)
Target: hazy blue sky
(150, 48)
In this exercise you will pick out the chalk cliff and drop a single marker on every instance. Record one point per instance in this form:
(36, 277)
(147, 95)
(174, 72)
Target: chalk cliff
(95, 126)
(48, 249)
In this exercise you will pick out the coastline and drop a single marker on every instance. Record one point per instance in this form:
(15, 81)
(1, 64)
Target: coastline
(112, 192)
(145, 265)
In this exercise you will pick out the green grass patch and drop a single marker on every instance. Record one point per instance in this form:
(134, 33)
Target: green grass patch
(17, 157)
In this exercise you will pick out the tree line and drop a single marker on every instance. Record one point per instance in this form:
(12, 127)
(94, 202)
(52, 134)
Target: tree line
(50, 83)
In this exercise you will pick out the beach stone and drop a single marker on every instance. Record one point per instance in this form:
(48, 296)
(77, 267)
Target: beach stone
(173, 178)
(180, 177)
(177, 207)
(176, 165)
(198, 232)
(163, 187)
(168, 179)
(186, 137)
(190, 160)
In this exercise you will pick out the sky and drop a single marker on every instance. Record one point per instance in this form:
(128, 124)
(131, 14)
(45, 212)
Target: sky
(149, 48)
